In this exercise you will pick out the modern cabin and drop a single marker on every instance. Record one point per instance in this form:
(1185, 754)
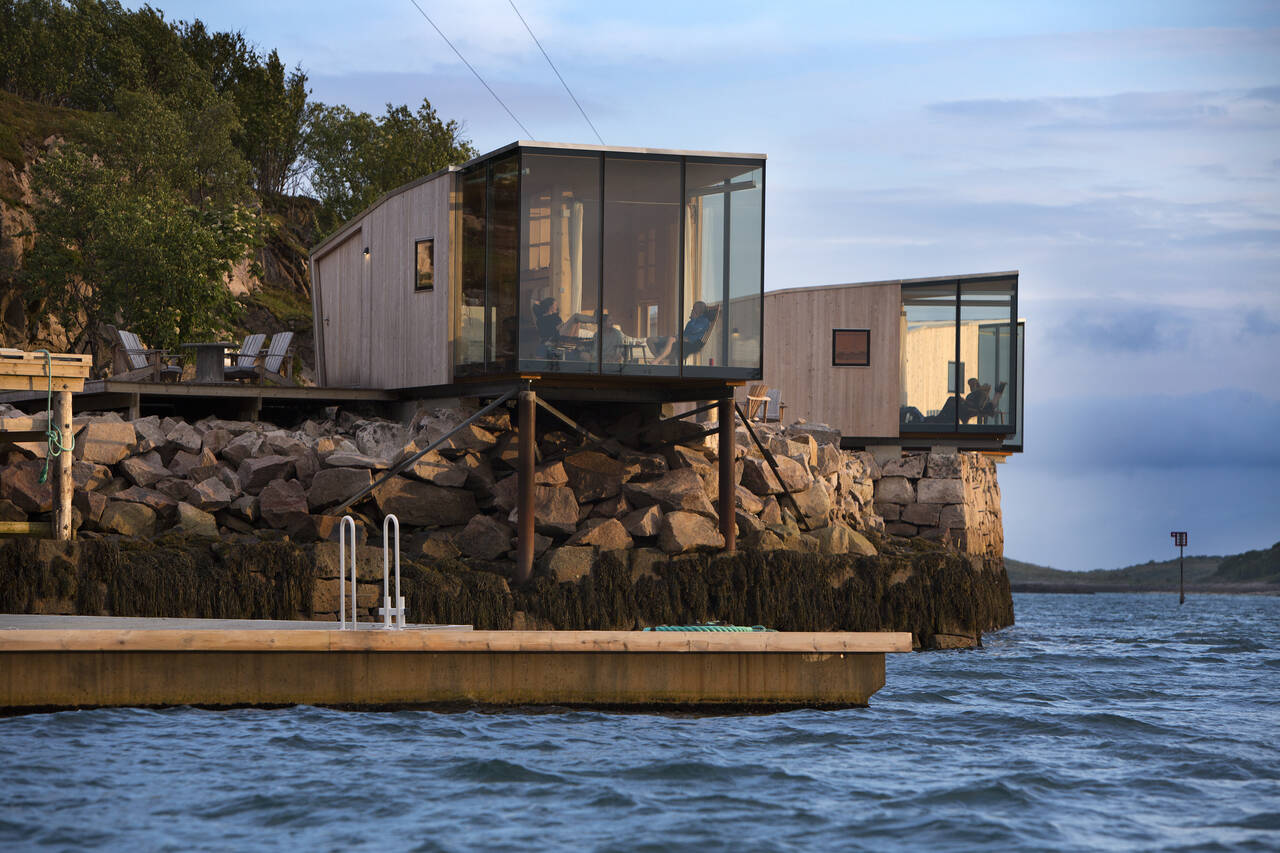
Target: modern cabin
(913, 362)
(569, 264)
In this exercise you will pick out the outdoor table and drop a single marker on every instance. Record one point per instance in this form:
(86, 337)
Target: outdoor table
(210, 360)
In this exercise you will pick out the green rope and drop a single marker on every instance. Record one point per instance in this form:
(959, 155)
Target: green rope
(52, 433)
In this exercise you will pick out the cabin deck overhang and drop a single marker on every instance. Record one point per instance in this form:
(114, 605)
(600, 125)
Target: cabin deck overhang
(47, 669)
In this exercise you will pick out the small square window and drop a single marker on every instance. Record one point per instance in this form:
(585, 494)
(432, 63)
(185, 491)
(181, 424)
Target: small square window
(850, 347)
(954, 374)
(425, 265)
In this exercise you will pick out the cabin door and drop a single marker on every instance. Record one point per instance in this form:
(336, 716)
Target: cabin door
(340, 280)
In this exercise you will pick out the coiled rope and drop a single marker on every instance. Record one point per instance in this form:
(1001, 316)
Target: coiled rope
(53, 434)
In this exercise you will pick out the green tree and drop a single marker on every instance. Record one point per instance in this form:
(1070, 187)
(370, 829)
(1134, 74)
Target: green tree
(350, 158)
(144, 231)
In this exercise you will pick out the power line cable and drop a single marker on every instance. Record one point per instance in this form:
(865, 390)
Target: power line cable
(527, 134)
(553, 68)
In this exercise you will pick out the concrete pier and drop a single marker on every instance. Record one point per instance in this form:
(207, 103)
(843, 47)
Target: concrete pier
(265, 664)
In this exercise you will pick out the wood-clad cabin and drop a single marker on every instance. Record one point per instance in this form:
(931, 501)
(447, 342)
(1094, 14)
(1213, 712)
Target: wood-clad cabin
(567, 262)
(891, 362)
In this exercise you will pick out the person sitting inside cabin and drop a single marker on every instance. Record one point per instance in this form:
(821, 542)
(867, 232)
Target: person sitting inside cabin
(976, 401)
(695, 331)
(556, 335)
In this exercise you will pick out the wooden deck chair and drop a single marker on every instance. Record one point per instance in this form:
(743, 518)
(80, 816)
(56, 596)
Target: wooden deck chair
(135, 362)
(276, 364)
(247, 356)
(757, 402)
(775, 409)
(992, 408)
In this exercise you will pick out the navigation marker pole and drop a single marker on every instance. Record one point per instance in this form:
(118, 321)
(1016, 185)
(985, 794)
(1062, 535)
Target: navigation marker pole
(1180, 539)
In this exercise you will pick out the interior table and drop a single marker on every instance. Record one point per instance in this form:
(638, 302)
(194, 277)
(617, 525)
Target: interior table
(210, 360)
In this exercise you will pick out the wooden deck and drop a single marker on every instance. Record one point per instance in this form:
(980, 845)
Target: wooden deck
(84, 665)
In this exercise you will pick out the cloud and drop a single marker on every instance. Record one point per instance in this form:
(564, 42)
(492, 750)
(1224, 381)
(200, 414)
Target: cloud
(1126, 111)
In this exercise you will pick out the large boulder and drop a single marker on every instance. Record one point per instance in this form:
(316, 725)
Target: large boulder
(128, 519)
(570, 563)
(688, 531)
(183, 436)
(932, 491)
(211, 495)
(431, 467)
(795, 475)
(164, 506)
(644, 522)
(90, 505)
(746, 499)
(380, 439)
(177, 488)
(349, 459)
(555, 511)
(681, 489)
(242, 447)
(815, 503)
(283, 504)
(758, 477)
(256, 472)
(820, 433)
(216, 440)
(484, 537)
(506, 490)
(105, 442)
(423, 504)
(20, 483)
(144, 470)
(194, 522)
(944, 466)
(334, 485)
(911, 466)
(88, 476)
(894, 490)
(148, 433)
(183, 463)
(592, 475)
(840, 539)
(607, 534)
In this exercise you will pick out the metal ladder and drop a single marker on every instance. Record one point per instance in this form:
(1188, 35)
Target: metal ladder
(392, 617)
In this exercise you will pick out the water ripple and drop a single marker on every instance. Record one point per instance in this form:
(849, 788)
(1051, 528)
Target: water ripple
(1106, 721)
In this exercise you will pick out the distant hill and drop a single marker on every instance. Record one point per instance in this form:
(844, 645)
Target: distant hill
(1251, 566)
(1251, 569)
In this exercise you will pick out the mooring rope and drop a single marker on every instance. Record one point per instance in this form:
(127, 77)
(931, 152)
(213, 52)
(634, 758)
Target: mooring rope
(53, 434)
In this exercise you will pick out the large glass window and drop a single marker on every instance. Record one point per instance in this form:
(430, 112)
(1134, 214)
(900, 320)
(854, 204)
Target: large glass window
(640, 324)
(957, 357)
(586, 262)
(503, 274)
(724, 218)
(469, 332)
(560, 263)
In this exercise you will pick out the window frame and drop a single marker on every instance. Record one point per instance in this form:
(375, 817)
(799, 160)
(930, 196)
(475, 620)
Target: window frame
(431, 254)
(835, 363)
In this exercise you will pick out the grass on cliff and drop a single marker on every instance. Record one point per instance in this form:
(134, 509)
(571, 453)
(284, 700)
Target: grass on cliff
(27, 122)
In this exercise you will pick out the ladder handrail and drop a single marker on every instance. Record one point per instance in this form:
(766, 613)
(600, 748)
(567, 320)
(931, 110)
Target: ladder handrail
(342, 572)
(392, 617)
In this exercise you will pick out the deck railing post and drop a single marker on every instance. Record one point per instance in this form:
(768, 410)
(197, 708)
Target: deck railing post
(527, 412)
(62, 414)
(726, 455)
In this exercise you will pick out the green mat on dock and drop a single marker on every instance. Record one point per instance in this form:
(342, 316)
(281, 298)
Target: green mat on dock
(710, 626)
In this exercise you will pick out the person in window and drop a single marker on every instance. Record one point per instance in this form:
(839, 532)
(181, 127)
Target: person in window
(556, 335)
(695, 333)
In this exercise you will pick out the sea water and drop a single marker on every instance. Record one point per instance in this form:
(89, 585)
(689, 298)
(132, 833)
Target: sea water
(1119, 722)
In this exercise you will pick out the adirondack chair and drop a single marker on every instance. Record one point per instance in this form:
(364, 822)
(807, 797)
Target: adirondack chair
(693, 346)
(247, 356)
(133, 361)
(757, 402)
(276, 364)
(775, 410)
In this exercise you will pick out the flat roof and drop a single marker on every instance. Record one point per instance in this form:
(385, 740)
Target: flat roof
(529, 144)
(977, 276)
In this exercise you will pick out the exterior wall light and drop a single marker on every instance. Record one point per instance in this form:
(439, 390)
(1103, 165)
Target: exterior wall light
(366, 253)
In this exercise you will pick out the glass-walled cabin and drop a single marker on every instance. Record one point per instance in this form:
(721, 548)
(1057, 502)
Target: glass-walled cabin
(961, 358)
(614, 263)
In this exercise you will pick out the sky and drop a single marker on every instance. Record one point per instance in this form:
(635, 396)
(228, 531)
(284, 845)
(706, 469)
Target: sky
(1124, 156)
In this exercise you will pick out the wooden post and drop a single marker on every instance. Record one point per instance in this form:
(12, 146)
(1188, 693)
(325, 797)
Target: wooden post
(728, 522)
(62, 414)
(527, 413)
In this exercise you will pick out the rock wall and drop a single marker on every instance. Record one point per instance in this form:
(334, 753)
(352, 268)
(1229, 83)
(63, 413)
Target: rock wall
(944, 598)
(952, 498)
(644, 506)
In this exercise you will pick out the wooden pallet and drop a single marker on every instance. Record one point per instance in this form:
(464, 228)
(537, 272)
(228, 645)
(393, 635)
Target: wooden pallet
(28, 371)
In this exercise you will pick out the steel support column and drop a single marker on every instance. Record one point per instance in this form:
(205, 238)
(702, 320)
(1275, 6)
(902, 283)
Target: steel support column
(526, 410)
(726, 454)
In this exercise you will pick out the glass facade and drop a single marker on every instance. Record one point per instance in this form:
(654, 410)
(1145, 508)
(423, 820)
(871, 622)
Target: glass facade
(593, 262)
(959, 345)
